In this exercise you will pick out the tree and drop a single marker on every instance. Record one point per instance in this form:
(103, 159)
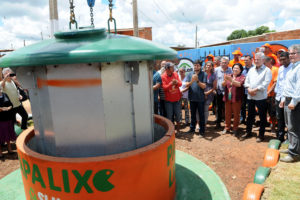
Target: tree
(237, 34)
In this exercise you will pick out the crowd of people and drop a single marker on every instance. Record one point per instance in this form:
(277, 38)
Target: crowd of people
(10, 105)
(265, 85)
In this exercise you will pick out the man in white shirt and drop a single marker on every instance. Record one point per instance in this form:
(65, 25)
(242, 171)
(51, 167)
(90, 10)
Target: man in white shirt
(257, 81)
(290, 100)
(220, 72)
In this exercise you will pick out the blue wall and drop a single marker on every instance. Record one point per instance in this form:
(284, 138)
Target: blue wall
(226, 50)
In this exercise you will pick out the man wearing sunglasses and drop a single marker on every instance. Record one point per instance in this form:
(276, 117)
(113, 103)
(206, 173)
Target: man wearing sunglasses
(291, 105)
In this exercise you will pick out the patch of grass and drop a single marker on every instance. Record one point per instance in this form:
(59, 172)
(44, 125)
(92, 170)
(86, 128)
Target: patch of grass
(283, 182)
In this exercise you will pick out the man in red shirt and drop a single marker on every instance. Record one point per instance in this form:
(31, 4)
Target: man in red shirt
(171, 84)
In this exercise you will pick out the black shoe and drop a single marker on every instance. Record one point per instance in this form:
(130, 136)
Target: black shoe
(218, 125)
(191, 131)
(235, 133)
(201, 135)
(11, 152)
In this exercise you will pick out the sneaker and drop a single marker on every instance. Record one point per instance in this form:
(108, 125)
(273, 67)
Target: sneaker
(246, 135)
(284, 151)
(289, 158)
(259, 139)
(225, 131)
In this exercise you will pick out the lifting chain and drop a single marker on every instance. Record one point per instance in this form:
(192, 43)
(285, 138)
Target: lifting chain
(72, 15)
(91, 4)
(111, 19)
(110, 9)
(92, 17)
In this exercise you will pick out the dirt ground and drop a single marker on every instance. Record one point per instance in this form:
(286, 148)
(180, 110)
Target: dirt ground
(233, 160)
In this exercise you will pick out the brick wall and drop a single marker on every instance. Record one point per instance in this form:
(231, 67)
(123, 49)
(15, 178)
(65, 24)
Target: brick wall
(284, 35)
(145, 32)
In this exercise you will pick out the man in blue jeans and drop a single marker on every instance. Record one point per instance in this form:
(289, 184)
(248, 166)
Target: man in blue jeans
(196, 81)
(257, 82)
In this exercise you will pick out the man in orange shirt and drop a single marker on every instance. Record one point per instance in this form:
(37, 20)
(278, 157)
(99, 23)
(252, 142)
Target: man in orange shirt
(237, 58)
(271, 94)
(269, 53)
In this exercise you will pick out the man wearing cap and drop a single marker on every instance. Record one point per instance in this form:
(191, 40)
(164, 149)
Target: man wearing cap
(268, 52)
(171, 85)
(210, 57)
(291, 99)
(257, 82)
(237, 54)
(196, 81)
(286, 66)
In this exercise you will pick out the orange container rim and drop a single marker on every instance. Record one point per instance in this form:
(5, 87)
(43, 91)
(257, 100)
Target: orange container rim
(28, 134)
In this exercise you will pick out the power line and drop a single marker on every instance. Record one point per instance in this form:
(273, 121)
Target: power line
(147, 17)
(163, 12)
(186, 18)
(141, 12)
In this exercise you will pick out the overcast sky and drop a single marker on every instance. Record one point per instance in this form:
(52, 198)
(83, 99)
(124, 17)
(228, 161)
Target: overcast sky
(173, 22)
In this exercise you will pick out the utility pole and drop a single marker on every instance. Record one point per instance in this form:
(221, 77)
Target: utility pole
(196, 39)
(53, 17)
(135, 19)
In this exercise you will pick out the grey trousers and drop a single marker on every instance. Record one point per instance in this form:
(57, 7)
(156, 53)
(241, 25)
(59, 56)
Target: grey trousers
(292, 120)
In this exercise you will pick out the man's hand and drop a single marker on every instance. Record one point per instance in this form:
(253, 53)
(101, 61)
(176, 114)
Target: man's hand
(281, 104)
(174, 82)
(5, 77)
(227, 77)
(5, 108)
(252, 92)
(291, 106)
(194, 78)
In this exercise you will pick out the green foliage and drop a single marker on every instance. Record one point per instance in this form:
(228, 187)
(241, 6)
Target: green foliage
(237, 34)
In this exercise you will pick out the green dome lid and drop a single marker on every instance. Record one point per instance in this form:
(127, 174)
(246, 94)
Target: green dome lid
(86, 46)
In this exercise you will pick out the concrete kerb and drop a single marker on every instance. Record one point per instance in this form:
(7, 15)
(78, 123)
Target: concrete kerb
(254, 190)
